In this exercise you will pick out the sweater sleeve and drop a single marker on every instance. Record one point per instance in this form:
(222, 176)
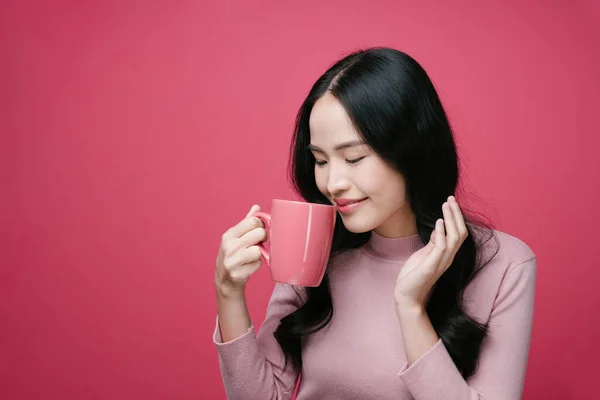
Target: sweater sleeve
(252, 365)
(504, 353)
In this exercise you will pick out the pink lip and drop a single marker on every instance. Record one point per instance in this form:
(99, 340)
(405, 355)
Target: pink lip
(347, 205)
(344, 202)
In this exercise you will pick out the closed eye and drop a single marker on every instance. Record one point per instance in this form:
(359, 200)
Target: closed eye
(352, 161)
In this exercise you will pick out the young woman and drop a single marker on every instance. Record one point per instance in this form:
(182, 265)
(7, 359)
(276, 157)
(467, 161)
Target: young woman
(418, 301)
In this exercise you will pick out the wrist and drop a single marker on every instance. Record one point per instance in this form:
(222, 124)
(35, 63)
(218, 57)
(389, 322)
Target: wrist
(227, 292)
(409, 308)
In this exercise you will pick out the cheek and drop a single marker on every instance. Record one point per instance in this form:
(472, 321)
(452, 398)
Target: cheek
(395, 189)
(385, 183)
(371, 178)
(321, 181)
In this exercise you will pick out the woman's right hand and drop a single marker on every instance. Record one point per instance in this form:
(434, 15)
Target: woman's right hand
(239, 256)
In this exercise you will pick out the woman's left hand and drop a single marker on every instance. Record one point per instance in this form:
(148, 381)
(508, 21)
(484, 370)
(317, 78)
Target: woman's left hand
(425, 266)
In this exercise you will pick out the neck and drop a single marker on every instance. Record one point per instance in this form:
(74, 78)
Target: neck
(393, 248)
(401, 224)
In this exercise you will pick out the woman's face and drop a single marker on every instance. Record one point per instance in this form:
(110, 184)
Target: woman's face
(346, 169)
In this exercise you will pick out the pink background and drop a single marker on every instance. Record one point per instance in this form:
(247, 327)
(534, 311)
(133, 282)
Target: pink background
(133, 133)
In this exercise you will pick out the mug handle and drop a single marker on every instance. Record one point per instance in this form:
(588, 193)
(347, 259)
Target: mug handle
(266, 219)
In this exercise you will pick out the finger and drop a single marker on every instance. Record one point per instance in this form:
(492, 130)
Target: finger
(250, 238)
(452, 237)
(434, 258)
(460, 231)
(245, 256)
(440, 239)
(254, 209)
(458, 217)
(249, 255)
(449, 247)
(244, 226)
(453, 240)
(254, 237)
(248, 269)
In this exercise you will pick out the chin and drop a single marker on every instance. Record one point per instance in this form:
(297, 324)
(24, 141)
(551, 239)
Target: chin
(356, 224)
(356, 230)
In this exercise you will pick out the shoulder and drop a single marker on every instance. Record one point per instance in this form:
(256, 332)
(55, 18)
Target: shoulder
(508, 268)
(503, 251)
(514, 252)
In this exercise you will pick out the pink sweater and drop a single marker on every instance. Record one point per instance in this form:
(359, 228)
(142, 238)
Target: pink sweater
(359, 354)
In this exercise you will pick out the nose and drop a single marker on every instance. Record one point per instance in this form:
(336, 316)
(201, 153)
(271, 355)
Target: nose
(337, 181)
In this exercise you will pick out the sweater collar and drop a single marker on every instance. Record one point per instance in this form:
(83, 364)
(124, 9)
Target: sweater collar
(393, 249)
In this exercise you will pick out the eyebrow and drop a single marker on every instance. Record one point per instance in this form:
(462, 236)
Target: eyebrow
(339, 146)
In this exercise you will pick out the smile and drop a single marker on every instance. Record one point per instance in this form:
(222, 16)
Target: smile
(346, 206)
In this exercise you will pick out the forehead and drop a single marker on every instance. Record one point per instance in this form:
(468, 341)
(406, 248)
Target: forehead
(329, 123)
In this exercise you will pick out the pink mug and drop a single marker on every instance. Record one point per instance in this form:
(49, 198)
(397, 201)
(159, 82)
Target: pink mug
(299, 236)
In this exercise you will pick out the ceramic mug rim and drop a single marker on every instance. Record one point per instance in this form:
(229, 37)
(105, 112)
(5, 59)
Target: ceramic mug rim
(305, 203)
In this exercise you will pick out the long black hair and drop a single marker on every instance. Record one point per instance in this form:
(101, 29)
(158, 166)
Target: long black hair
(395, 108)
